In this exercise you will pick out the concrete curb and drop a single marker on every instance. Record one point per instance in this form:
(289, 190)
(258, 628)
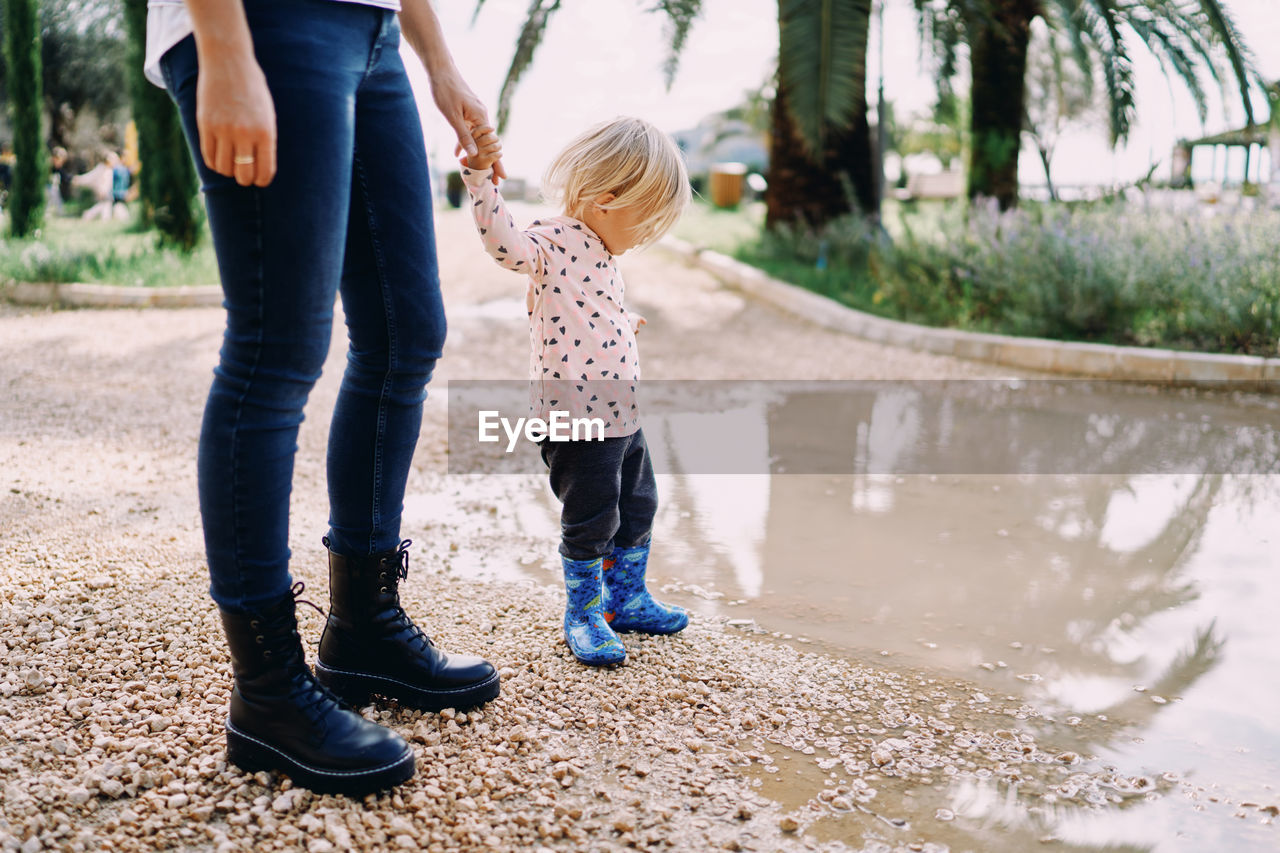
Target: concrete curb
(77, 295)
(1102, 361)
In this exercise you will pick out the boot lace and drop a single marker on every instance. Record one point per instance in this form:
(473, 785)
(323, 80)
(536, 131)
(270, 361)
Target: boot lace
(401, 620)
(308, 694)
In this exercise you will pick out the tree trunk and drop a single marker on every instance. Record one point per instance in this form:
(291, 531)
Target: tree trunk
(167, 181)
(802, 191)
(998, 40)
(31, 172)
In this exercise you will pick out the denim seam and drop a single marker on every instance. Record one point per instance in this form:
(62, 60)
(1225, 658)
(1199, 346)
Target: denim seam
(385, 392)
(380, 436)
(238, 526)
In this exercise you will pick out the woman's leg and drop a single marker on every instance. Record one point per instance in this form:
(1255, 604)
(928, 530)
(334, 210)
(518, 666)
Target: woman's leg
(280, 252)
(395, 329)
(394, 313)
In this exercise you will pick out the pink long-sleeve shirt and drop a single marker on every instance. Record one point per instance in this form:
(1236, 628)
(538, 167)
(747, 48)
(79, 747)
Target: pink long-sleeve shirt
(583, 355)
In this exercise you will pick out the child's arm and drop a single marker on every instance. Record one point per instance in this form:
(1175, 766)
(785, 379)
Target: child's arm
(512, 248)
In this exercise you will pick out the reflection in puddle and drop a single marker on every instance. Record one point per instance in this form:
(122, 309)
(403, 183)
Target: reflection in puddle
(1137, 610)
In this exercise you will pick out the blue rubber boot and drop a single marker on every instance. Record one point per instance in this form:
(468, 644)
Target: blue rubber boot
(627, 603)
(589, 636)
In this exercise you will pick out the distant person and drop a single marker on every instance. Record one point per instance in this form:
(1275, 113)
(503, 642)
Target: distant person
(59, 178)
(120, 180)
(622, 184)
(100, 180)
(7, 161)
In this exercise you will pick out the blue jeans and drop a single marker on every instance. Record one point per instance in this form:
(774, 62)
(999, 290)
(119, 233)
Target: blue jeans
(349, 212)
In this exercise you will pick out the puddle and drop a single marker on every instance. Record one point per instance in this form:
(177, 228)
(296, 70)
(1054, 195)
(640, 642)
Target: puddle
(1140, 612)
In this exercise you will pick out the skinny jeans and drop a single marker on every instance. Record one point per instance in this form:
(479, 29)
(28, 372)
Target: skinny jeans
(348, 213)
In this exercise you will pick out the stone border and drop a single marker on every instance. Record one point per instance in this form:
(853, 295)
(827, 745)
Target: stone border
(77, 295)
(1102, 361)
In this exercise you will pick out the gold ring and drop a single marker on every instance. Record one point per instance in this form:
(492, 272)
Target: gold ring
(243, 160)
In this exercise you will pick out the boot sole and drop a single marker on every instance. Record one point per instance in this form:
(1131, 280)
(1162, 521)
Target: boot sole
(356, 688)
(251, 754)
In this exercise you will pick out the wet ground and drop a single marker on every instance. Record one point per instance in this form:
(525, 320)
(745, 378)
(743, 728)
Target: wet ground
(1139, 613)
(1104, 552)
(930, 615)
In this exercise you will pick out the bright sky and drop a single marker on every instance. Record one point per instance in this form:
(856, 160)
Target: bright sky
(602, 58)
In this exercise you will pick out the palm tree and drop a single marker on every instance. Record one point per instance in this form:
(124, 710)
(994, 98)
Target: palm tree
(1188, 37)
(820, 148)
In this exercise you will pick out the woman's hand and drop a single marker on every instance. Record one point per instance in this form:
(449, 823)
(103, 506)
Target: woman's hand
(466, 114)
(236, 118)
(454, 98)
(488, 147)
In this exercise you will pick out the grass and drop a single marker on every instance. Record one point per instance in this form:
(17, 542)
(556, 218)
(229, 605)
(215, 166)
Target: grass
(724, 231)
(69, 249)
(1102, 272)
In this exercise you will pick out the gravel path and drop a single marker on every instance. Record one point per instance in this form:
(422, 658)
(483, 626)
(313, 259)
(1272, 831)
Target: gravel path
(115, 678)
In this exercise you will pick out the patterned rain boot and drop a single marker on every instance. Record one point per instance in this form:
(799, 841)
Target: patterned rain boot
(628, 606)
(589, 636)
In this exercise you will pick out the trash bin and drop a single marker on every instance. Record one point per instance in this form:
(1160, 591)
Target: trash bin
(726, 183)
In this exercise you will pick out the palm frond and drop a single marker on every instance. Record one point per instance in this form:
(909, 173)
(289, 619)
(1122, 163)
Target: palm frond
(1101, 19)
(1193, 34)
(1173, 57)
(822, 64)
(1224, 28)
(680, 17)
(476, 13)
(535, 25)
(1068, 19)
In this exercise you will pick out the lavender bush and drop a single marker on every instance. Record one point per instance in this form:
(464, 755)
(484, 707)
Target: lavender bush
(1111, 273)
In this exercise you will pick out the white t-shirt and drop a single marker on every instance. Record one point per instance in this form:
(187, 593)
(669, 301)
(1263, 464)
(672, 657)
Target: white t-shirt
(168, 23)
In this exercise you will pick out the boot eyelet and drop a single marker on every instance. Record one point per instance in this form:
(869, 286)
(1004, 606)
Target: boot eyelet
(253, 623)
(267, 653)
(382, 576)
(259, 639)
(384, 590)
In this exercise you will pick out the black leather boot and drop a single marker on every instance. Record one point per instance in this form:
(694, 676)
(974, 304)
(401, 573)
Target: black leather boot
(282, 719)
(371, 646)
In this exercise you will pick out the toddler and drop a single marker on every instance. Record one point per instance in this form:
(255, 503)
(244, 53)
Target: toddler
(622, 184)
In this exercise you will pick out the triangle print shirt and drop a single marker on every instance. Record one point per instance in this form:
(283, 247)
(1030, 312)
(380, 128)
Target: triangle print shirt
(583, 356)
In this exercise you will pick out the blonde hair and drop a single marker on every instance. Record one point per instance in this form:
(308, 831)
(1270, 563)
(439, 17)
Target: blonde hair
(630, 158)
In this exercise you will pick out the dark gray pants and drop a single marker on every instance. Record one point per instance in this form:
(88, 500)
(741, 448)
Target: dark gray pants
(608, 493)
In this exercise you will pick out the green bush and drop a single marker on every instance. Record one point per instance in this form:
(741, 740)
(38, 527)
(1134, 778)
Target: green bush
(1106, 273)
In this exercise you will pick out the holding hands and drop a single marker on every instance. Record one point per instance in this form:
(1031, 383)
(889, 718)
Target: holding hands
(488, 150)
